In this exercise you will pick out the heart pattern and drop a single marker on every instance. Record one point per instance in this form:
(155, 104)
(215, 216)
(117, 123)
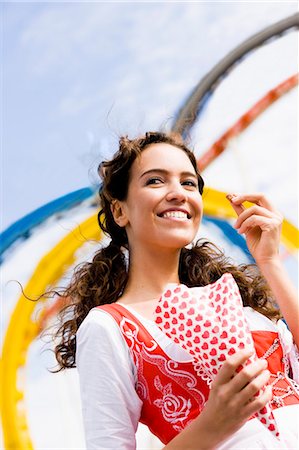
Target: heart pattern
(209, 323)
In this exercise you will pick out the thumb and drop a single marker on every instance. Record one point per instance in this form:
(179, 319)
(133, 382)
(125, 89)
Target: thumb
(238, 208)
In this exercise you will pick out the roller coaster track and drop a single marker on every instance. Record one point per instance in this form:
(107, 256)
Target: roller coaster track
(23, 328)
(193, 106)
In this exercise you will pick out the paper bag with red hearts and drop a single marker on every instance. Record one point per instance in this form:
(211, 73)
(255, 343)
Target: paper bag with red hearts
(209, 323)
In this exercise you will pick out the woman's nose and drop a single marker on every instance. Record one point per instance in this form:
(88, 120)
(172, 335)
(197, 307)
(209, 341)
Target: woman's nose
(176, 193)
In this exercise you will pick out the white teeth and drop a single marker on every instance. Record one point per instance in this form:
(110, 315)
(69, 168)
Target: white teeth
(176, 214)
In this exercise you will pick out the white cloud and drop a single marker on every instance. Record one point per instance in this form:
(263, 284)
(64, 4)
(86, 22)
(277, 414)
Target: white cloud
(125, 65)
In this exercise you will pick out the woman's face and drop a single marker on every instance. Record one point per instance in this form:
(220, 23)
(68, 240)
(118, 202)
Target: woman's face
(163, 208)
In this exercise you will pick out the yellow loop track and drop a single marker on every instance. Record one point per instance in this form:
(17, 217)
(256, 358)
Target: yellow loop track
(22, 329)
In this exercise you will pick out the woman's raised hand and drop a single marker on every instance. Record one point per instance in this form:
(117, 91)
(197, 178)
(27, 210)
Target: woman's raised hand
(260, 223)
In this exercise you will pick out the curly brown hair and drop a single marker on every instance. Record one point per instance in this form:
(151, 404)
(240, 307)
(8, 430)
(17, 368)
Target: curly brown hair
(103, 280)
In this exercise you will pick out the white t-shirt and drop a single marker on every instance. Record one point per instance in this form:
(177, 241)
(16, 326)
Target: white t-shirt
(111, 407)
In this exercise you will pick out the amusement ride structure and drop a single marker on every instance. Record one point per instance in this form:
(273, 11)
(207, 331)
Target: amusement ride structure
(66, 231)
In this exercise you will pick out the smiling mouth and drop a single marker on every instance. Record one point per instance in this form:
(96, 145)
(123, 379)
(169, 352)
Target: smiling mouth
(175, 215)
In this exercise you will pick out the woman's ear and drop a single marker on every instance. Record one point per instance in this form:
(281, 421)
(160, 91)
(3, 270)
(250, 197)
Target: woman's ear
(118, 212)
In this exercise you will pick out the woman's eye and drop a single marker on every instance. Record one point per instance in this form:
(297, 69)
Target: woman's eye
(154, 180)
(189, 183)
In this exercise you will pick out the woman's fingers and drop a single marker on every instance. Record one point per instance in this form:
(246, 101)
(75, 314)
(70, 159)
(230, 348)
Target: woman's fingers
(258, 403)
(239, 208)
(257, 211)
(248, 393)
(233, 397)
(248, 375)
(240, 388)
(229, 368)
(258, 199)
(264, 223)
(261, 214)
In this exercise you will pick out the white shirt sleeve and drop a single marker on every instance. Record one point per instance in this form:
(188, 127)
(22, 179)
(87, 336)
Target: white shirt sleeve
(110, 405)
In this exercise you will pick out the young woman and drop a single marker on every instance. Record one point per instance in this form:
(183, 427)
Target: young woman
(129, 370)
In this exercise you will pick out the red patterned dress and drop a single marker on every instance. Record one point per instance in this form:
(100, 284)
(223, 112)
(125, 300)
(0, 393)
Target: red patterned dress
(130, 372)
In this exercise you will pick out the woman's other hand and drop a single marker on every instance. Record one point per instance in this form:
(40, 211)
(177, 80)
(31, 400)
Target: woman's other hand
(231, 403)
(261, 225)
(232, 400)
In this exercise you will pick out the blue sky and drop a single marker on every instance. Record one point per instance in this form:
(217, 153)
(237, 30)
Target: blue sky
(76, 75)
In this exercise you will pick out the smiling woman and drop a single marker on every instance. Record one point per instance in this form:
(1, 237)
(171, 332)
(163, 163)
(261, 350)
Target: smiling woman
(163, 206)
(135, 319)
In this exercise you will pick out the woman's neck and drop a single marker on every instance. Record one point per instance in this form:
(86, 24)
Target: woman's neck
(149, 274)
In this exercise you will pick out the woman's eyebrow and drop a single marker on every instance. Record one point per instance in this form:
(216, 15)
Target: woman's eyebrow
(166, 172)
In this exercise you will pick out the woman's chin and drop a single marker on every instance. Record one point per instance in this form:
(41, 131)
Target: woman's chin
(176, 242)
